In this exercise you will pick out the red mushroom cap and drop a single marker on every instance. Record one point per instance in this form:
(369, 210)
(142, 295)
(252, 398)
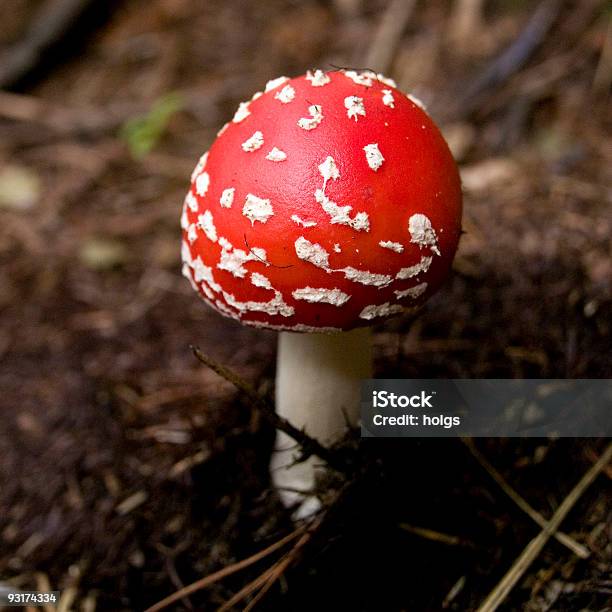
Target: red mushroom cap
(328, 202)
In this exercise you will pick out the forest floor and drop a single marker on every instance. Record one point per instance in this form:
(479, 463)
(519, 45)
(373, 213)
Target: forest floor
(128, 469)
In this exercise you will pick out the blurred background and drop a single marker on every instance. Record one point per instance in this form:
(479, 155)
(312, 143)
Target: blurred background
(127, 469)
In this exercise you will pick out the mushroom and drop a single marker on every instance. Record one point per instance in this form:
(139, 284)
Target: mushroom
(327, 204)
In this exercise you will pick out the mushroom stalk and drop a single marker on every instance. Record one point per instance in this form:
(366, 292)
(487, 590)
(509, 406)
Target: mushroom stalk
(318, 390)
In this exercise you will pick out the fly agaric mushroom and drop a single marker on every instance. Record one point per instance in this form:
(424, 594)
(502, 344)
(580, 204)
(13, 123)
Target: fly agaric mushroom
(328, 203)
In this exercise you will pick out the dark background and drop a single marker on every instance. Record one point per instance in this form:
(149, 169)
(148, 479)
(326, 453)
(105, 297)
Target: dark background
(127, 469)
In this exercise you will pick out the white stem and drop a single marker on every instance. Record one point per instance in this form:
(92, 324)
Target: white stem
(317, 389)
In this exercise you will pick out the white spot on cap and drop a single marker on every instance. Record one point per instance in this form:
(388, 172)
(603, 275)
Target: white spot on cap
(274, 83)
(202, 183)
(276, 155)
(199, 166)
(299, 221)
(422, 233)
(192, 233)
(383, 310)
(312, 252)
(354, 107)
(191, 202)
(232, 260)
(242, 113)
(202, 273)
(416, 101)
(184, 219)
(337, 248)
(340, 214)
(257, 209)
(253, 143)
(366, 278)
(286, 94)
(373, 156)
(361, 78)
(335, 297)
(329, 170)
(259, 280)
(227, 197)
(392, 246)
(256, 95)
(318, 78)
(186, 253)
(420, 268)
(205, 221)
(221, 307)
(186, 272)
(388, 99)
(316, 116)
(386, 80)
(412, 292)
(276, 306)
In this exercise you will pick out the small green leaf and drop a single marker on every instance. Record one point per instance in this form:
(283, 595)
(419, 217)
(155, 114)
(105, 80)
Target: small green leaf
(142, 133)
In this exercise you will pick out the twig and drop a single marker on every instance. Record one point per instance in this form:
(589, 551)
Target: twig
(272, 574)
(435, 536)
(222, 573)
(309, 446)
(388, 34)
(578, 549)
(534, 548)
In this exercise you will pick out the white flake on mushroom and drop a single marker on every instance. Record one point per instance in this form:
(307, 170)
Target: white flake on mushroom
(227, 197)
(274, 83)
(186, 253)
(338, 214)
(184, 219)
(202, 183)
(392, 246)
(312, 252)
(316, 116)
(199, 166)
(299, 221)
(203, 273)
(318, 78)
(361, 78)
(388, 99)
(232, 260)
(416, 101)
(422, 233)
(315, 295)
(285, 95)
(337, 248)
(185, 270)
(221, 307)
(257, 209)
(191, 202)
(366, 278)
(259, 280)
(205, 221)
(242, 112)
(276, 306)
(411, 271)
(354, 107)
(412, 292)
(192, 233)
(298, 327)
(380, 310)
(386, 80)
(276, 155)
(253, 143)
(373, 156)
